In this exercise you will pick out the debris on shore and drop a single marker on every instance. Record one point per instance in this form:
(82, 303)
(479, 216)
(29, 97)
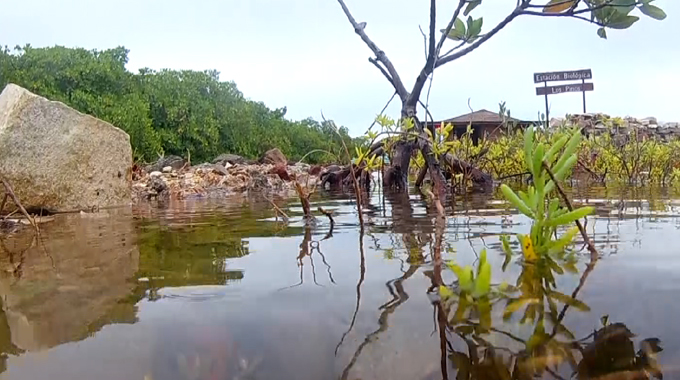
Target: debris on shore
(214, 180)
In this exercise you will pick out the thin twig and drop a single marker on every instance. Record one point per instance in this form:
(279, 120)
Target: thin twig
(424, 40)
(591, 246)
(357, 191)
(382, 111)
(277, 208)
(10, 192)
(4, 200)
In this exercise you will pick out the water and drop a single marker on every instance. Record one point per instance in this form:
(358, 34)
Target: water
(223, 290)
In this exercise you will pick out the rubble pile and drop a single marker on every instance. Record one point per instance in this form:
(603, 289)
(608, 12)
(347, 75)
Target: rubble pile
(599, 123)
(214, 180)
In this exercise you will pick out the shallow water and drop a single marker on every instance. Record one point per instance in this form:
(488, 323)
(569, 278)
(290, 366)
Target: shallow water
(224, 290)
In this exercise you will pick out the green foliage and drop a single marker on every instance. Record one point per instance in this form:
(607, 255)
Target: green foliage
(612, 14)
(533, 202)
(168, 111)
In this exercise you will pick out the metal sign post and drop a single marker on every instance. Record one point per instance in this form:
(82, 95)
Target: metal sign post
(557, 76)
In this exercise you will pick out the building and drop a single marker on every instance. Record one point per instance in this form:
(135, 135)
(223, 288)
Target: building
(485, 124)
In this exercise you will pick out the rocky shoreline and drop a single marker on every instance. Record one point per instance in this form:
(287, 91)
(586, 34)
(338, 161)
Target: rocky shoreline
(215, 181)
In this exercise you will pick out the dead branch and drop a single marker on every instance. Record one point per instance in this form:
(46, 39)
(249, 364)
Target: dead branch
(329, 214)
(304, 200)
(283, 214)
(437, 203)
(433, 53)
(379, 54)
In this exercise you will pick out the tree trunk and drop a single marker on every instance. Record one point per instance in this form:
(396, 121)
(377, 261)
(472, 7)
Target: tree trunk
(396, 175)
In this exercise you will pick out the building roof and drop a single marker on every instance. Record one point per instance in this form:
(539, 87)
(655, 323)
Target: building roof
(481, 116)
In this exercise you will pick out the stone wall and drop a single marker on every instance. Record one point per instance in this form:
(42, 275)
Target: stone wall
(598, 123)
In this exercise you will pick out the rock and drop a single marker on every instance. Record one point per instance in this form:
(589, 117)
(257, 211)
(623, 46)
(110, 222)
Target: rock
(274, 157)
(556, 122)
(648, 121)
(281, 171)
(59, 159)
(208, 168)
(232, 159)
(315, 170)
(174, 162)
(155, 174)
(167, 169)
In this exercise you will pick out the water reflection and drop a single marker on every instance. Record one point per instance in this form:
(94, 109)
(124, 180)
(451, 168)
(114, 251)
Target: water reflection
(222, 290)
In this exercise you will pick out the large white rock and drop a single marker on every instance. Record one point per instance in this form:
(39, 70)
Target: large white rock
(59, 159)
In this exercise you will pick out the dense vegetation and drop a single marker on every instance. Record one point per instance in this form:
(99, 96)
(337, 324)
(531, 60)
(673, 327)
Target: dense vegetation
(166, 112)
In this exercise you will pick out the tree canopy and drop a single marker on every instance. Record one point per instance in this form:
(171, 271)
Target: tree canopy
(180, 112)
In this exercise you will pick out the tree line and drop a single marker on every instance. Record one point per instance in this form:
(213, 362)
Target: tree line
(178, 112)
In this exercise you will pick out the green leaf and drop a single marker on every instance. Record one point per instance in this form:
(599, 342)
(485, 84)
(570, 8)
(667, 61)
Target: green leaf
(445, 292)
(465, 280)
(528, 147)
(538, 159)
(569, 300)
(483, 281)
(604, 320)
(553, 265)
(622, 21)
(652, 11)
(623, 6)
(474, 28)
(602, 32)
(484, 309)
(463, 305)
(559, 244)
(562, 172)
(471, 5)
(550, 155)
(514, 199)
(569, 150)
(570, 217)
(458, 31)
(517, 304)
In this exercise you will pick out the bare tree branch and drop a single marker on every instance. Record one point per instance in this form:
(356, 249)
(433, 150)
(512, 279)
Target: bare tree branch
(379, 54)
(453, 49)
(433, 22)
(424, 41)
(431, 61)
(375, 62)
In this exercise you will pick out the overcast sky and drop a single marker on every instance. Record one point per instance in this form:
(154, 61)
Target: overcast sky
(303, 54)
